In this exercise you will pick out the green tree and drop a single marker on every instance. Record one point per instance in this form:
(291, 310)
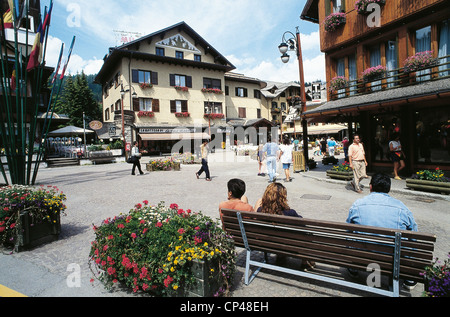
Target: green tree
(77, 98)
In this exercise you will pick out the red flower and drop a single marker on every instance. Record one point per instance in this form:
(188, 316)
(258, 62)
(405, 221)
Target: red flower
(145, 202)
(173, 206)
(167, 281)
(181, 231)
(120, 226)
(2, 229)
(158, 224)
(133, 235)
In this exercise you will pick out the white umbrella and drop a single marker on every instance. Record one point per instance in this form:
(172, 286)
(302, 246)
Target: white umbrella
(68, 131)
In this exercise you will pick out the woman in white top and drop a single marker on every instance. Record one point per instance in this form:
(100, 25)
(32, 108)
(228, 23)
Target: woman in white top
(286, 150)
(136, 155)
(397, 155)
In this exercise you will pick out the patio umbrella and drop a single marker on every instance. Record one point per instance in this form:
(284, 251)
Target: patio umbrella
(69, 131)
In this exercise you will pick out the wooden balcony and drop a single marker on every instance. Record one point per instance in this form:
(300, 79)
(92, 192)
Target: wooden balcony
(393, 79)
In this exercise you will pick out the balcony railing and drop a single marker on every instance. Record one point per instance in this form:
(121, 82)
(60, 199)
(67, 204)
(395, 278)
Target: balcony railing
(393, 79)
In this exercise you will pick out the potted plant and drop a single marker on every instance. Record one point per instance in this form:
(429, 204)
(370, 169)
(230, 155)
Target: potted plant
(342, 171)
(337, 83)
(212, 90)
(420, 61)
(182, 114)
(145, 85)
(437, 279)
(143, 114)
(426, 180)
(214, 115)
(361, 5)
(164, 251)
(334, 21)
(30, 215)
(374, 73)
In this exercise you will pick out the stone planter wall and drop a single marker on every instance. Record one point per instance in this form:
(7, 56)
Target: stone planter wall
(205, 284)
(429, 186)
(347, 176)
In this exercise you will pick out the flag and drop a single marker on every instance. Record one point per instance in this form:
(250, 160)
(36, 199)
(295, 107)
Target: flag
(36, 52)
(8, 20)
(47, 17)
(59, 64)
(68, 58)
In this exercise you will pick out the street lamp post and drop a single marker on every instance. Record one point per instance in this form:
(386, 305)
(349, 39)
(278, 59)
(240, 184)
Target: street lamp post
(122, 94)
(293, 43)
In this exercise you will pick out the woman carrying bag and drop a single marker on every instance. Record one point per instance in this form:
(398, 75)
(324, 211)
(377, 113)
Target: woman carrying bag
(135, 158)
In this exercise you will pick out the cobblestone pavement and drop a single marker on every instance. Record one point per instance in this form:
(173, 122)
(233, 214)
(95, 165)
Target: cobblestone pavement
(101, 191)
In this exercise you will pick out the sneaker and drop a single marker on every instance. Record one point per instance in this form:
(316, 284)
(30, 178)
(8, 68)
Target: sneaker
(196, 174)
(397, 178)
(409, 285)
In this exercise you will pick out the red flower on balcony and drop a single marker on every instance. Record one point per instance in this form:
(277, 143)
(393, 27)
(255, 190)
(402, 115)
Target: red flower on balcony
(181, 88)
(145, 85)
(214, 115)
(212, 90)
(149, 114)
(182, 114)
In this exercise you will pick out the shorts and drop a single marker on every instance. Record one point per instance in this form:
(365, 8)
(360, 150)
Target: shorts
(396, 157)
(286, 166)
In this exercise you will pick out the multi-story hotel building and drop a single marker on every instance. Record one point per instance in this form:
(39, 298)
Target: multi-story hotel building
(172, 85)
(375, 85)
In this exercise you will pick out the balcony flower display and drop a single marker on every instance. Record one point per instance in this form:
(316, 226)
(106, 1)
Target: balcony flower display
(338, 83)
(182, 114)
(149, 114)
(420, 61)
(145, 85)
(154, 249)
(374, 73)
(361, 5)
(334, 21)
(181, 88)
(214, 115)
(213, 90)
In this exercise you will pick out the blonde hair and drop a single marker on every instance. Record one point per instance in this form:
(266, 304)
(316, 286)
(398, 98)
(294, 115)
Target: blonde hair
(274, 200)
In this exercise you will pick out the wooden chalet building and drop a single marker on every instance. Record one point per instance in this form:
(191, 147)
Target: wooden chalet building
(414, 102)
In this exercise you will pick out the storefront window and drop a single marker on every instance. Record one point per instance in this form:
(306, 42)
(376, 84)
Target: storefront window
(433, 136)
(385, 127)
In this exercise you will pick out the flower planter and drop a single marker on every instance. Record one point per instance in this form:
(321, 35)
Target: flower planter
(340, 175)
(176, 166)
(361, 5)
(429, 186)
(206, 284)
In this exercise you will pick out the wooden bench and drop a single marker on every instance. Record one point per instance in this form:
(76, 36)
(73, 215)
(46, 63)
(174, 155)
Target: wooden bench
(101, 157)
(398, 254)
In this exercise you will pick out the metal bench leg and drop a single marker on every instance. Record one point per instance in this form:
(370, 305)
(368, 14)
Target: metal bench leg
(395, 276)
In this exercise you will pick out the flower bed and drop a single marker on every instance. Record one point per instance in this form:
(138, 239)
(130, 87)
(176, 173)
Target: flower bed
(160, 165)
(342, 171)
(374, 73)
(213, 90)
(436, 176)
(153, 248)
(425, 180)
(361, 5)
(334, 21)
(420, 61)
(26, 206)
(338, 83)
(149, 114)
(437, 279)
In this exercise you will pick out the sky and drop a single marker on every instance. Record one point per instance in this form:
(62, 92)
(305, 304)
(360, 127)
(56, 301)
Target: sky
(246, 32)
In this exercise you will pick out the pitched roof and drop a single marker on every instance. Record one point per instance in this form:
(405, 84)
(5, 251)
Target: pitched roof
(274, 89)
(311, 11)
(131, 50)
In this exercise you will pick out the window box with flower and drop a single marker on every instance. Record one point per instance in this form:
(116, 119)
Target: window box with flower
(432, 181)
(361, 5)
(193, 256)
(212, 90)
(338, 83)
(420, 61)
(214, 115)
(181, 88)
(145, 85)
(143, 114)
(334, 21)
(182, 114)
(30, 216)
(374, 73)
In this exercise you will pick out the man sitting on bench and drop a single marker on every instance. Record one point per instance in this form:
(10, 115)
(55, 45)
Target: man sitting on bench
(378, 209)
(236, 199)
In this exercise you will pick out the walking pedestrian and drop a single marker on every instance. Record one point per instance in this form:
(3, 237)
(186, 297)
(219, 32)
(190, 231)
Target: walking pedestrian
(271, 149)
(204, 148)
(331, 146)
(345, 143)
(397, 155)
(261, 158)
(358, 162)
(136, 158)
(286, 150)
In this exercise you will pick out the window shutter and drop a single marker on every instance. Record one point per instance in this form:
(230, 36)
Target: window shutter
(227, 90)
(135, 76)
(155, 105)
(154, 78)
(184, 106)
(136, 104)
(245, 92)
(172, 80)
(189, 81)
(173, 106)
(236, 91)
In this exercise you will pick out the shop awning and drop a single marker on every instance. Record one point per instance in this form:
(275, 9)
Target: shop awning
(174, 136)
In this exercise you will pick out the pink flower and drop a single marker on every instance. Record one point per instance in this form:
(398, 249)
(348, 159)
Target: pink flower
(181, 231)
(158, 224)
(133, 235)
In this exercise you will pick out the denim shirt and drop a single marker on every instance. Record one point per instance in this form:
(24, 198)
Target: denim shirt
(381, 210)
(271, 149)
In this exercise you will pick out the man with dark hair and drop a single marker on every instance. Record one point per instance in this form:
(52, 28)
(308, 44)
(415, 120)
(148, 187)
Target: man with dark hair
(358, 162)
(378, 209)
(204, 154)
(236, 199)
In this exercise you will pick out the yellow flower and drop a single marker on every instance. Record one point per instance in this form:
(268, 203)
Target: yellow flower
(175, 287)
(172, 269)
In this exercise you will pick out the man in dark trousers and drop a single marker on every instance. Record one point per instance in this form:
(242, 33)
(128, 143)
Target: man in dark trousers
(204, 153)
